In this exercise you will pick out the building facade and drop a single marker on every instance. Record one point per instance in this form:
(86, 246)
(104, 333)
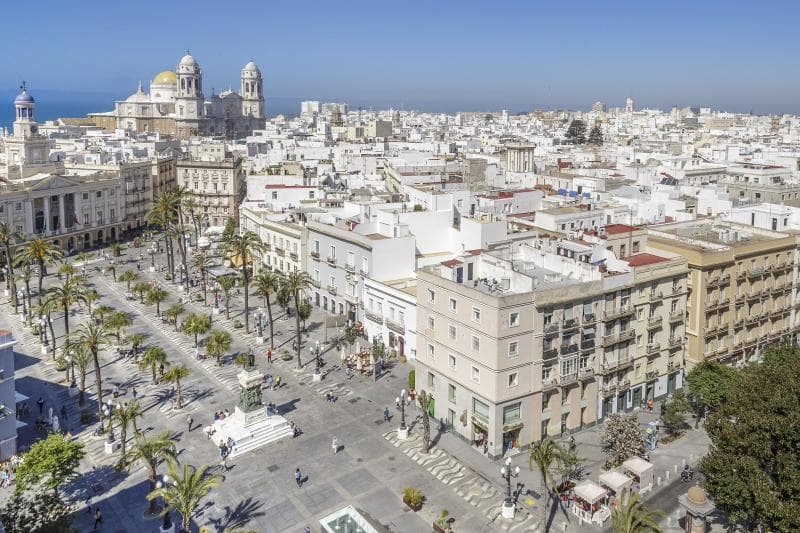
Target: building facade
(8, 397)
(284, 239)
(218, 186)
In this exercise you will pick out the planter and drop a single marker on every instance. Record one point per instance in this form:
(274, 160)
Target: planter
(286, 357)
(441, 529)
(414, 508)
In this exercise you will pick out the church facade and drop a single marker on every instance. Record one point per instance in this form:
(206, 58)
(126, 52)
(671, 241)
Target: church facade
(176, 105)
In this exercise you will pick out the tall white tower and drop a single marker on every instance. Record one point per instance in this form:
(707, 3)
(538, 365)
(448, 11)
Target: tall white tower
(24, 121)
(252, 91)
(189, 97)
(629, 104)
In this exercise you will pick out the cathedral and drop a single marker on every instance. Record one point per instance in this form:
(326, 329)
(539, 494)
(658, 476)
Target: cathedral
(176, 106)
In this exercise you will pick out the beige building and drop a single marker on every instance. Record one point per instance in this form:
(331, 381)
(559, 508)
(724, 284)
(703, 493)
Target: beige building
(218, 186)
(285, 239)
(743, 289)
(536, 337)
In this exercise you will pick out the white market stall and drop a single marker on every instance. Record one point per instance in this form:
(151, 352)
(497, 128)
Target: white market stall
(588, 504)
(641, 472)
(614, 481)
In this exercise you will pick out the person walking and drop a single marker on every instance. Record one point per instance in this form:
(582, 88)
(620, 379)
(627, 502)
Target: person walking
(277, 382)
(298, 477)
(134, 393)
(64, 413)
(40, 403)
(335, 445)
(269, 357)
(98, 518)
(189, 422)
(224, 463)
(386, 414)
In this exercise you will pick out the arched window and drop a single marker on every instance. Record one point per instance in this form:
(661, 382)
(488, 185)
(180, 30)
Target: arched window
(183, 83)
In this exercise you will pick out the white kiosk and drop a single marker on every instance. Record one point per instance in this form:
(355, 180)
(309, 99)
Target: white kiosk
(641, 472)
(589, 505)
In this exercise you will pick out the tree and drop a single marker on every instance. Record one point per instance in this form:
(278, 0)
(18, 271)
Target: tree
(752, 467)
(196, 324)
(674, 413)
(227, 282)
(173, 312)
(191, 208)
(230, 230)
(42, 511)
(153, 358)
(123, 416)
(424, 403)
(630, 516)
(178, 233)
(202, 264)
(103, 311)
(43, 254)
(268, 283)
(52, 462)
(9, 238)
(67, 270)
(81, 359)
(25, 275)
(116, 322)
(174, 375)
(708, 383)
(544, 454)
(47, 308)
(576, 133)
(129, 276)
(164, 213)
(140, 289)
(116, 248)
(596, 136)
(91, 337)
(66, 295)
(243, 247)
(621, 437)
(151, 451)
(136, 340)
(156, 295)
(217, 343)
(296, 284)
(90, 297)
(569, 465)
(189, 486)
(304, 312)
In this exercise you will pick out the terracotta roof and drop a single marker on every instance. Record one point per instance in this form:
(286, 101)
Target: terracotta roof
(452, 262)
(644, 259)
(614, 229)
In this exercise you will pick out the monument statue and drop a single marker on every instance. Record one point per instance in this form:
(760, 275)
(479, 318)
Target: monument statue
(250, 397)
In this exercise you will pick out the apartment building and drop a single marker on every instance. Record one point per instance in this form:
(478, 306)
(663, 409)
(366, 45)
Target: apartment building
(390, 314)
(8, 397)
(743, 290)
(218, 185)
(760, 182)
(284, 238)
(543, 336)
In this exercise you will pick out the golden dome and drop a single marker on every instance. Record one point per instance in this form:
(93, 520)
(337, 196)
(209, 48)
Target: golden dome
(697, 496)
(166, 77)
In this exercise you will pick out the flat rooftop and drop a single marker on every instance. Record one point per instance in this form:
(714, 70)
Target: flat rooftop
(713, 234)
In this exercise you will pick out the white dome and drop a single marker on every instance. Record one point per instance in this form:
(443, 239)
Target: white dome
(188, 61)
(251, 67)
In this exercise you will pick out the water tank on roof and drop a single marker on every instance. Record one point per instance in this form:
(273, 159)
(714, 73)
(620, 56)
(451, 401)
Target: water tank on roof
(562, 192)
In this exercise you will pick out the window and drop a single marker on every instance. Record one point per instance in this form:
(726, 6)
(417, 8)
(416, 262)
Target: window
(332, 252)
(513, 349)
(451, 331)
(86, 196)
(452, 304)
(480, 410)
(511, 413)
(476, 344)
(431, 296)
(111, 215)
(311, 195)
(316, 246)
(431, 322)
(100, 217)
(451, 393)
(18, 207)
(513, 379)
(451, 361)
(513, 320)
(476, 314)
(547, 316)
(476, 374)
(431, 380)
(431, 351)
(86, 218)
(99, 194)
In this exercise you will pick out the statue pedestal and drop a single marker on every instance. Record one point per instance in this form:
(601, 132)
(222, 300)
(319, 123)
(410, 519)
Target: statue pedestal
(152, 269)
(402, 434)
(507, 511)
(45, 349)
(111, 447)
(215, 310)
(260, 340)
(316, 376)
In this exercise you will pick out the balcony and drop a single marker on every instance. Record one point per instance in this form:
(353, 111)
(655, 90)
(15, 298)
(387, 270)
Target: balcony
(569, 350)
(623, 385)
(610, 340)
(549, 354)
(655, 297)
(551, 329)
(651, 374)
(674, 342)
(619, 312)
(609, 389)
(397, 327)
(653, 348)
(676, 289)
(293, 256)
(280, 252)
(378, 319)
(586, 372)
(622, 361)
(755, 273)
(724, 278)
(654, 322)
(569, 324)
(713, 305)
(712, 281)
(364, 272)
(752, 319)
(740, 298)
(352, 298)
(675, 316)
(315, 283)
(568, 379)
(332, 289)
(315, 256)
(350, 268)
(587, 345)
(741, 275)
(549, 382)
(331, 260)
(588, 318)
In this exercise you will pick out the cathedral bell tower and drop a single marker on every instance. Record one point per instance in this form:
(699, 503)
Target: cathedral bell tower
(189, 101)
(252, 91)
(24, 122)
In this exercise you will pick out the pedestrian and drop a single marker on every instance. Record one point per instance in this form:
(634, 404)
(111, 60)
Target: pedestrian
(224, 463)
(269, 356)
(386, 414)
(335, 445)
(307, 530)
(397, 403)
(189, 422)
(298, 477)
(116, 391)
(277, 382)
(98, 518)
(63, 413)
(161, 369)
(40, 403)
(134, 393)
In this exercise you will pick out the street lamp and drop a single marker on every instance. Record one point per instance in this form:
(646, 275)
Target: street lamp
(507, 473)
(8, 281)
(71, 367)
(40, 323)
(21, 296)
(402, 401)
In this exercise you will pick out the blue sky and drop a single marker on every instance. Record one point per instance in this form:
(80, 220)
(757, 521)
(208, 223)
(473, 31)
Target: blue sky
(450, 54)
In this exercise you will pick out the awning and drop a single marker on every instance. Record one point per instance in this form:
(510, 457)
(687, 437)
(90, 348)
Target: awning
(637, 466)
(21, 424)
(589, 491)
(19, 397)
(616, 481)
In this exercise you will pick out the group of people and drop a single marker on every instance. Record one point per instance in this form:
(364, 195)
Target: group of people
(8, 471)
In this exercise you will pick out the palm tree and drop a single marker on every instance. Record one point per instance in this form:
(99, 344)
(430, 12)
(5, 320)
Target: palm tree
(226, 283)
(83, 257)
(201, 263)
(243, 247)
(69, 293)
(630, 516)
(117, 322)
(174, 375)
(140, 289)
(25, 275)
(189, 486)
(9, 238)
(190, 208)
(128, 276)
(297, 283)
(67, 270)
(116, 249)
(47, 308)
(178, 232)
(102, 311)
(136, 340)
(42, 253)
(217, 344)
(152, 451)
(267, 283)
(196, 324)
(153, 358)
(156, 295)
(163, 213)
(424, 403)
(173, 312)
(124, 416)
(91, 337)
(544, 454)
(81, 358)
(90, 297)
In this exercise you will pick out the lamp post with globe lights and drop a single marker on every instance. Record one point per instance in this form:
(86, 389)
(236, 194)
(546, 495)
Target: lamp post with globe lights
(402, 401)
(506, 472)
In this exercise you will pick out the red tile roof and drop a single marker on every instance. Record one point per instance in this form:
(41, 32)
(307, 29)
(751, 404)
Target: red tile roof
(614, 229)
(452, 262)
(644, 259)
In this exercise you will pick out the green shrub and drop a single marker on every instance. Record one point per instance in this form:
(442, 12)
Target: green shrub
(87, 417)
(413, 497)
(61, 364)
(417, 207)
(237, 323)
(198, 297)
(412, 379)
